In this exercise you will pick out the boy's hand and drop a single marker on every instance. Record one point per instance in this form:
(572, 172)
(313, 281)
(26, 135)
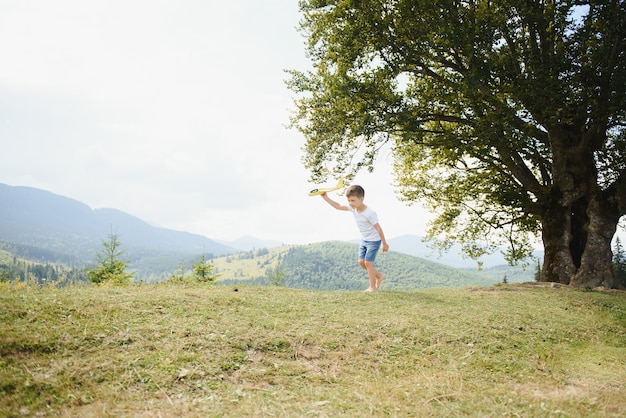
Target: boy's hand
(385, 247)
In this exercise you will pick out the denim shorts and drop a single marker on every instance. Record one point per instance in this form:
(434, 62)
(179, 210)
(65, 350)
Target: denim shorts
(368, 250)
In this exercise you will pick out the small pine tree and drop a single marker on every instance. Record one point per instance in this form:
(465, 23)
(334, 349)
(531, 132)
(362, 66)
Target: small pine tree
(619, 262)
(110, 268)
(275, 276)
(203, 270)
(538, 272)
(179, 274)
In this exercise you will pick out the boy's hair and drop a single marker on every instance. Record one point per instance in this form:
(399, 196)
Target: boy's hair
(355, 191)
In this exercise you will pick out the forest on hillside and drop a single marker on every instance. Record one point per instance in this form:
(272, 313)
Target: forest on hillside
(15, 269)
(333, 266)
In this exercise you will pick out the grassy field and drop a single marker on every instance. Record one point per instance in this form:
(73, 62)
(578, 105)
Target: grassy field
(237, 266)
(168, 351)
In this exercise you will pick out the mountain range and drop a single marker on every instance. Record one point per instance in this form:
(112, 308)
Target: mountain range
(417, 247)
(39, 225)
(42, 225)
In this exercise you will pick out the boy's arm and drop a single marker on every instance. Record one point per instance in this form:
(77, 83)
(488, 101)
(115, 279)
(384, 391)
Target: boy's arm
(382, 237)
(332, 203)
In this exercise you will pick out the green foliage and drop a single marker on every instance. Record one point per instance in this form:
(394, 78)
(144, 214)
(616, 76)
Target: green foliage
(110, 268)
(179, 275)
(14, 269)
(333, 266)
(514, 107)
(276, 276)
(203, 270)
(619, 262)
(538, 271)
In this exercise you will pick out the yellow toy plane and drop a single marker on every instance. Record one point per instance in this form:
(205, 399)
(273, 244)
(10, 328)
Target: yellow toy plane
(317, 192)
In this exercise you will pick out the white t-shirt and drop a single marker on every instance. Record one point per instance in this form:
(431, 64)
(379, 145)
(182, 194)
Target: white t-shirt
(365, 221)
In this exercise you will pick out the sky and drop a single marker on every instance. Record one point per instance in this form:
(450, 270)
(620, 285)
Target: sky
(174, 112)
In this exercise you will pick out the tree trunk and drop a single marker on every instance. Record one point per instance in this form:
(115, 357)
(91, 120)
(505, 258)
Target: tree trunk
(558, 263)
(597, 259)
(579, 220)
(577, 249)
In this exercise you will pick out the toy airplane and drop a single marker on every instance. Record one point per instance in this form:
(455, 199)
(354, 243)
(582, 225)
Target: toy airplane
(317, 192)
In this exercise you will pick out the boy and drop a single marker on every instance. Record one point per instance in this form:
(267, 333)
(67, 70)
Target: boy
(371, 233)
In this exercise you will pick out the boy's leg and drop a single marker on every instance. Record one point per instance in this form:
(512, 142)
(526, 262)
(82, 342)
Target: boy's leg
(368, 266)
(373, 272)
(367, 262)
(362, 263)
(379, 278)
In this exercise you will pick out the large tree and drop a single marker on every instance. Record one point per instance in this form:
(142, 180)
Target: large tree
(506, 118)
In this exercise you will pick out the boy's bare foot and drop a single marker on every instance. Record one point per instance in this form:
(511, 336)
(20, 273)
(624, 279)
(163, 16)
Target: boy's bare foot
(379, 279)
(369, 289)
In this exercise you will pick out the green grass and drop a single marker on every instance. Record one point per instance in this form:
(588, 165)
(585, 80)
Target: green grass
(163, 351)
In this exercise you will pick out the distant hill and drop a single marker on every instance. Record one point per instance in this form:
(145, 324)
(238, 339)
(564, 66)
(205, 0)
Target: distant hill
(249, 243)
(333, 266)
(415, 246)
(39, 225)
(29, 272)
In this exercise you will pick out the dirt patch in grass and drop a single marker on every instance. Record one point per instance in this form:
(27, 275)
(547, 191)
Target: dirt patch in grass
(599, 397)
